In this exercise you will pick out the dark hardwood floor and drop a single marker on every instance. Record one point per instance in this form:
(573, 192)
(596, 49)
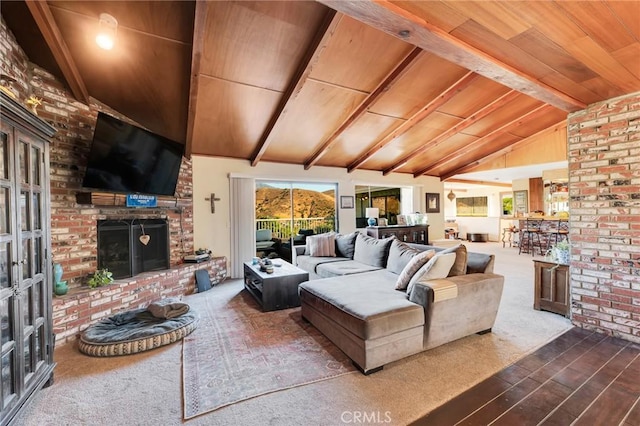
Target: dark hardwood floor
(580, 378)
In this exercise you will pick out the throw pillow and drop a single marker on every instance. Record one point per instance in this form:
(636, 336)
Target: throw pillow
(346, 245)
(371, 251)
(460, 265)
(399, 255)
(322, 245)
(414, 265)
(437, 267)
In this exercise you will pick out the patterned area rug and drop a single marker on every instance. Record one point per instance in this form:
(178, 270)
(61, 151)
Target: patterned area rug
(239, 352)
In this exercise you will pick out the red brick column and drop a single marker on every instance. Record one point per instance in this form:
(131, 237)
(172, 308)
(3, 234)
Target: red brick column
(604, 186)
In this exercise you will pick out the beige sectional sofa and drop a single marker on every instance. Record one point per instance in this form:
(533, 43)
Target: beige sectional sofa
(352, 298)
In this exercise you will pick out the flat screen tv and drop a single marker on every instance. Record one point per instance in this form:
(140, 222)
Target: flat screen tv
(125, 158)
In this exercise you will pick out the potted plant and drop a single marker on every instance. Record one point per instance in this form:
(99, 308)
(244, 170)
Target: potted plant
(560, 252)
(100, 278)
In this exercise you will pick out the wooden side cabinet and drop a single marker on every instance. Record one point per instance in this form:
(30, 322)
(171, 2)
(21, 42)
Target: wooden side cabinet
(418, 234)
(25, 261)
(552, 287)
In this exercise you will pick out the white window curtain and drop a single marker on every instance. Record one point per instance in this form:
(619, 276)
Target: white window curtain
(243, 218)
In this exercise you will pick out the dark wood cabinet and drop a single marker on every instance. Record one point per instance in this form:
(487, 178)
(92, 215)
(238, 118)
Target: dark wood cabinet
(552, 288)
(26, 359)
(418, 234)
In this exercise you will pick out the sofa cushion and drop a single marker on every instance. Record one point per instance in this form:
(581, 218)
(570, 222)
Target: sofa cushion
(478, 263)
(460, 265)
(322, 245)
(348, 267)
(412, 267)
(399, 255)
(263, 235)
(346, 245)
(367, 305)
(372, 251)
(310, 263)
(437, 267)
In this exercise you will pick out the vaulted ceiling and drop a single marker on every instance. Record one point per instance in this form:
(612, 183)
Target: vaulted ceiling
(428, 87)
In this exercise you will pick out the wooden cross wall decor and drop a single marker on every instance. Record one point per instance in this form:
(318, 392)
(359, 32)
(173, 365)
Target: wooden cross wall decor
(213, 200)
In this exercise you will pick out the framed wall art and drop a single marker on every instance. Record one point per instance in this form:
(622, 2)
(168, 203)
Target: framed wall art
(433, 202)
(346, 202)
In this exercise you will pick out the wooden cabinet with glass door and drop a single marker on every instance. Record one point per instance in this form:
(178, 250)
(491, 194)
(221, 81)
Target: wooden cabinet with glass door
(26, 361)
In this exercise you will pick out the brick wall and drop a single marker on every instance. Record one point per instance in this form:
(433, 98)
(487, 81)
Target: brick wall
(604, 186)
(74, 312)
(74, 226)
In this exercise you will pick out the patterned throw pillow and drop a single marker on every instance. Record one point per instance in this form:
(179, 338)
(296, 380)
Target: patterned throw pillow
(436, 268)
(322, 245)
(414, 265)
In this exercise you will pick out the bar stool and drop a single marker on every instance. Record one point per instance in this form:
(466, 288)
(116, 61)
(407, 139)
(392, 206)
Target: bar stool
(508, 236)
(559, 233)
(530, 237)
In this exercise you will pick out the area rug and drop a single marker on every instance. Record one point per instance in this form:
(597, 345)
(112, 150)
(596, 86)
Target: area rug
(239, 352)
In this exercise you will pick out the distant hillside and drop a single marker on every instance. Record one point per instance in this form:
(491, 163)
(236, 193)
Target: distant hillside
(273, 203)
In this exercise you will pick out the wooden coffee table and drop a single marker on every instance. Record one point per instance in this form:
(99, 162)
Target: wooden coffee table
(278, 290)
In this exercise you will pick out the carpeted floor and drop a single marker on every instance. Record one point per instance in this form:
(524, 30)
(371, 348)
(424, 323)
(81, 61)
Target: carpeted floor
(145, 389)
(239, 352)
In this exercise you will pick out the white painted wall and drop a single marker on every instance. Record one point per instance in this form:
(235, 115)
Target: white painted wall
(211, 175)
(491, 224)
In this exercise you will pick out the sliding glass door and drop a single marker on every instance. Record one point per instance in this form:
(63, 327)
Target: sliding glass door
(286, 212)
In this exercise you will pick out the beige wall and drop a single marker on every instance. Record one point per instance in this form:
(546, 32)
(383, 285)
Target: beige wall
(211, 175)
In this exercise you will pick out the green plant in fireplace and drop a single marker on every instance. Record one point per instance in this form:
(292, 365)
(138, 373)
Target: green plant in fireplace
(100, 278)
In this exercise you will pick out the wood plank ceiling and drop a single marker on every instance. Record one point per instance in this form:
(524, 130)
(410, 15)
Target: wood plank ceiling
(429, 87)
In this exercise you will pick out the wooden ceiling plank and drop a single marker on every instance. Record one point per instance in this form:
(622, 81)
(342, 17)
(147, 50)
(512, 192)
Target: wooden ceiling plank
(479, 182)
(382, 87)
(473, 118)
(325, 32)
(421, 114)
(47, 25)
(489, 137)
(400, 22)
(489, 157)
(199, 26)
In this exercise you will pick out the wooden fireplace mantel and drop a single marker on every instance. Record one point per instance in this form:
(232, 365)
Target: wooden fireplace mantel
(110, 199)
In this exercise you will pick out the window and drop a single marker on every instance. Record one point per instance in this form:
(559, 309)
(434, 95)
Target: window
(287, 207)
(472, 206)
(506, 203)
(387, 200)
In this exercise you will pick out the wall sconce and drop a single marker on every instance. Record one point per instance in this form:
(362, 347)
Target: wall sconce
(451, 196)
(372, 213)
(108, 28)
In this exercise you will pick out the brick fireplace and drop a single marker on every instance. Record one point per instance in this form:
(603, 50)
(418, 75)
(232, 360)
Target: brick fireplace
(75, 214)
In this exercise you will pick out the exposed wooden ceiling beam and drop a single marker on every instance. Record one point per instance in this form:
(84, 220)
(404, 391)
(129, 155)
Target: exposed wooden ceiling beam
(401, 23)
(506, 150)
(317, 46)
(486, 141)
(424, 112)
(478, 182)
(382, 87)
(199, 26)
(47, 25)
(473, 118)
